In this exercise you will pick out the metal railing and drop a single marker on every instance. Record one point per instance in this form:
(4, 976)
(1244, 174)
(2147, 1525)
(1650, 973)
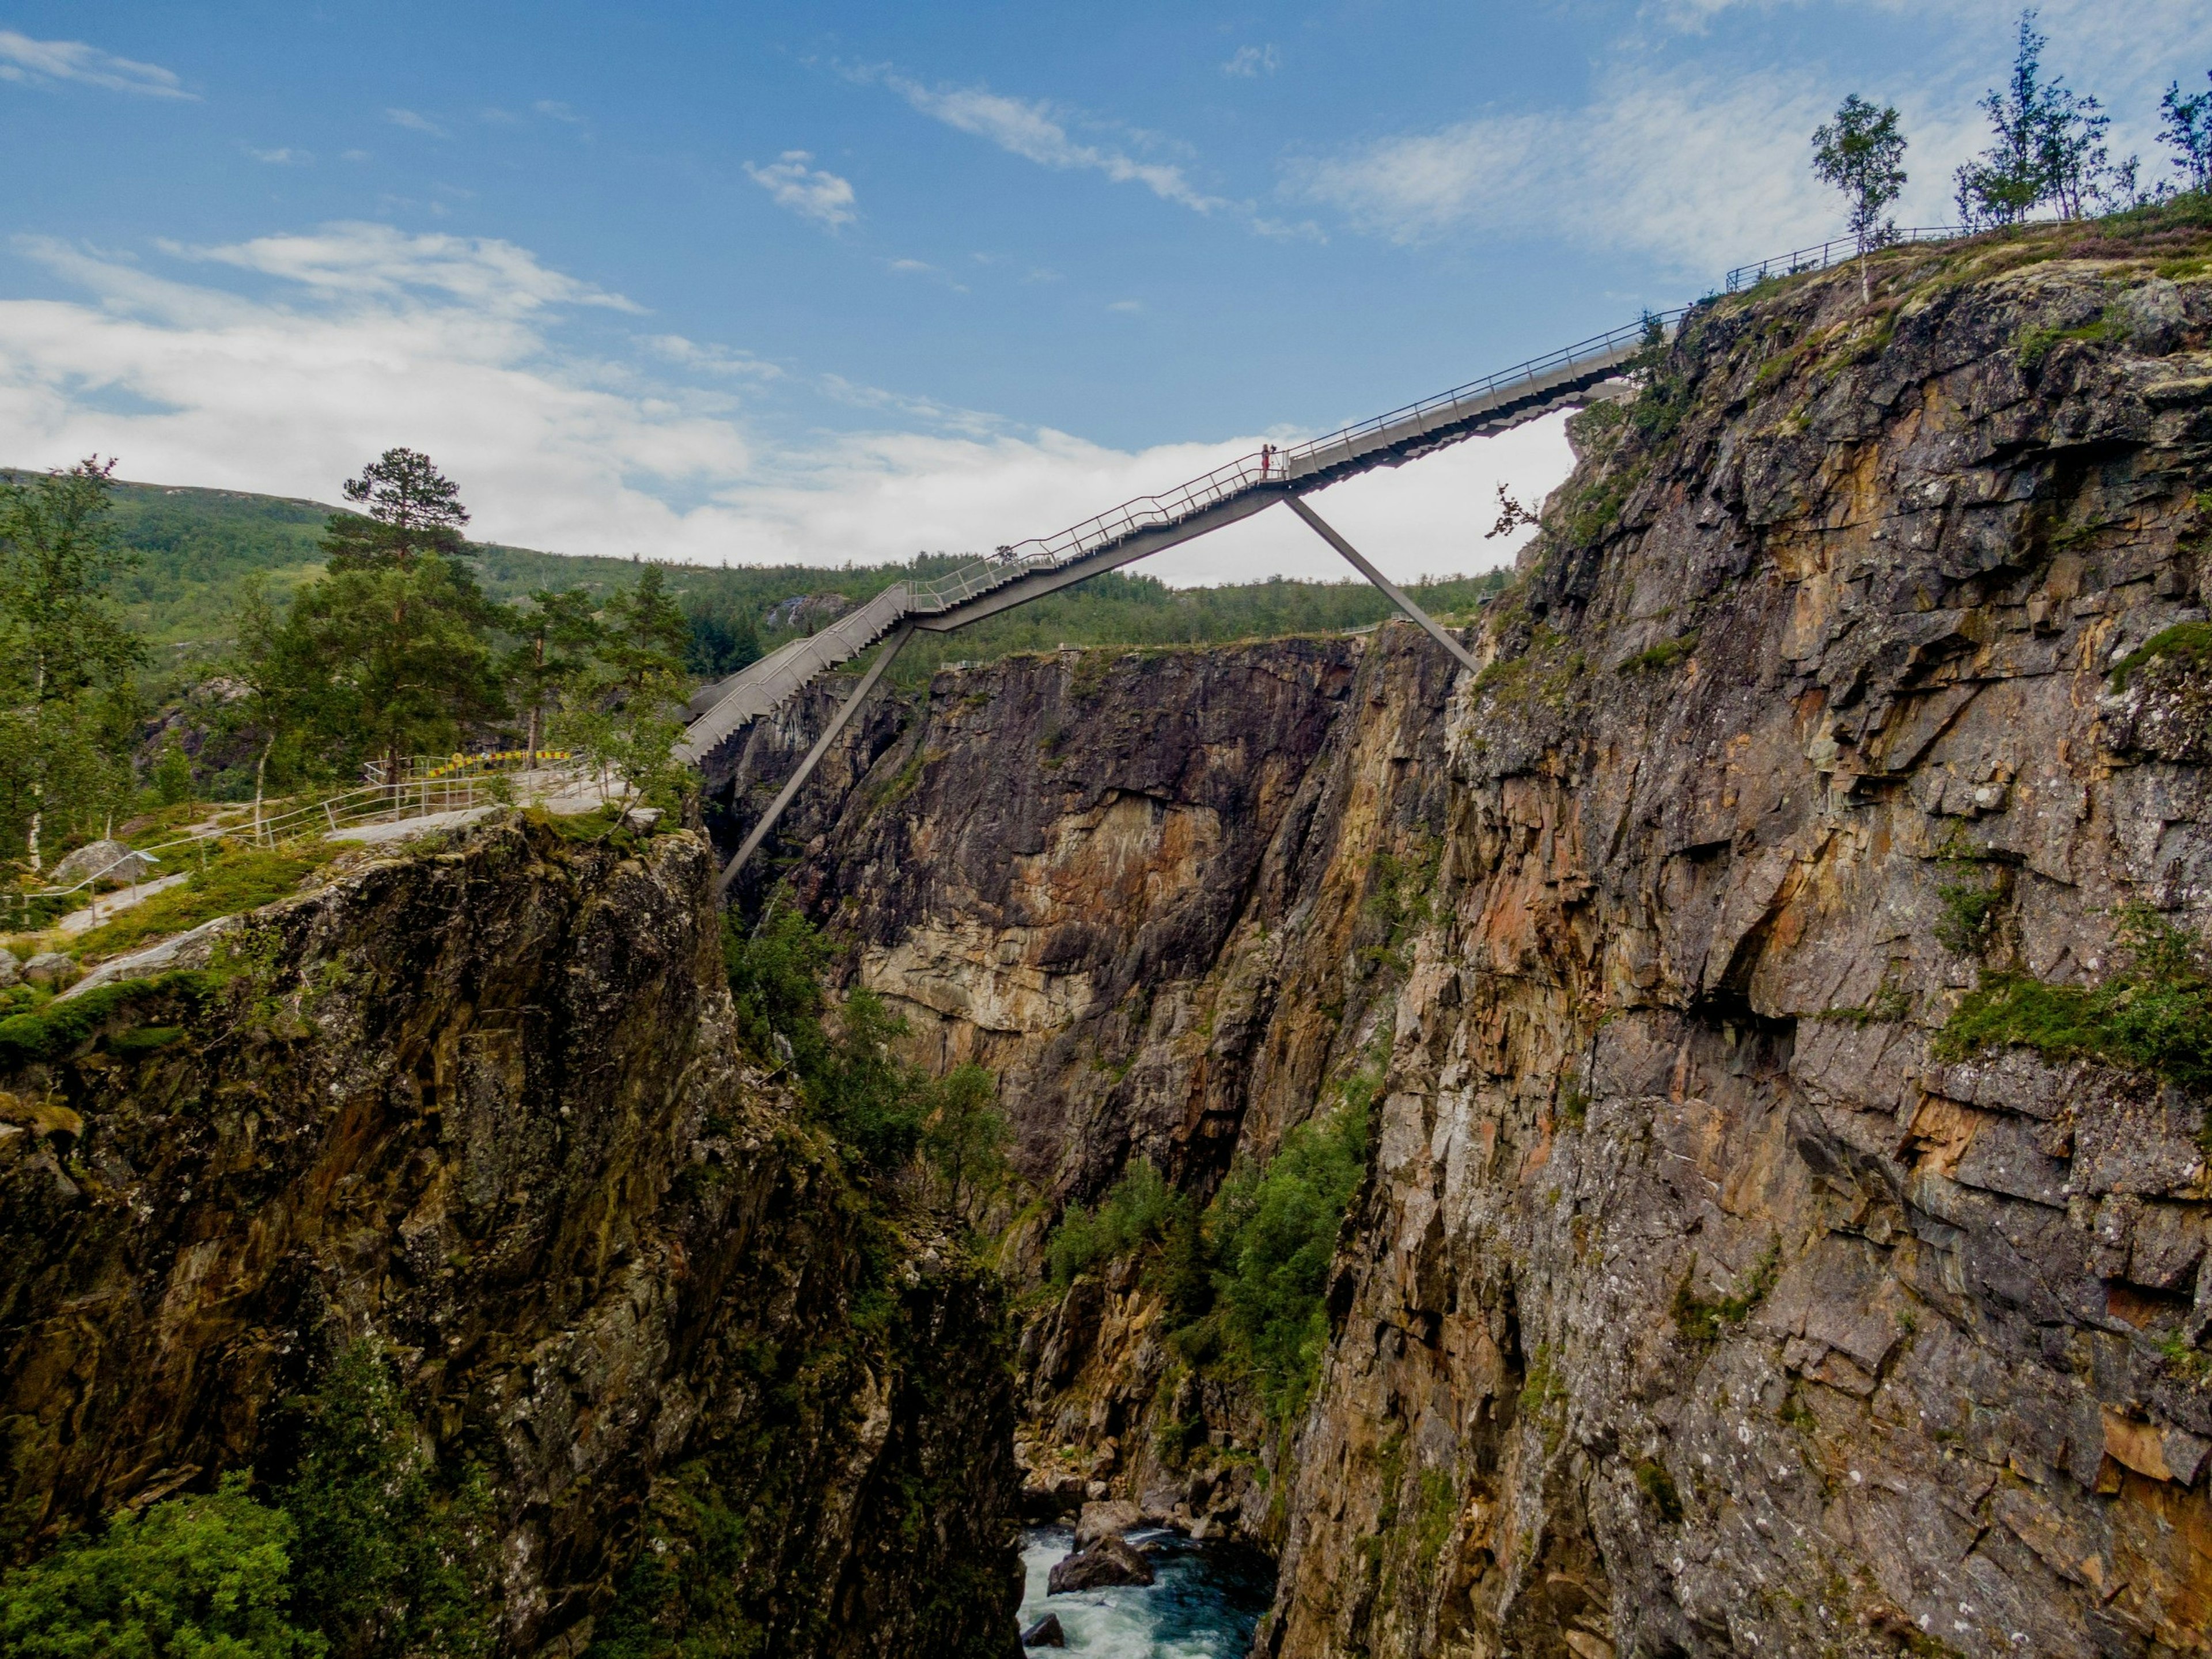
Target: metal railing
(347, 809)
(413, 768)
(754, 690)
(1271, 466)
(1835, 250)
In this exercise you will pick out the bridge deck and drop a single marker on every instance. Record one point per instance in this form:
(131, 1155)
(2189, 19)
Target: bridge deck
(1137, 529)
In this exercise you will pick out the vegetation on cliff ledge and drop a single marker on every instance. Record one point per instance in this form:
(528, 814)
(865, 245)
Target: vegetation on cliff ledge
(2152, 1013)
(887, 1112)
(368, 1551)
(1246, 1282)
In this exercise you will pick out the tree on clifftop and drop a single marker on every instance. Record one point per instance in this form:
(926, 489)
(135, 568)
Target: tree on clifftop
(1861, 153)
(2049, 148)
(413, 509)
(66, 653)
(399, 626)
(2186, 130)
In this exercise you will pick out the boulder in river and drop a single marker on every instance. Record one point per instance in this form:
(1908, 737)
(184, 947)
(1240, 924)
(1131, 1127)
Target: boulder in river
(1109, 1561)
(1045, 1633)
(1107, 1520)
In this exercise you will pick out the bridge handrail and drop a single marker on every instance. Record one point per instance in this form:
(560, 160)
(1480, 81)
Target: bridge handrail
(766, 683)
(1246, 472)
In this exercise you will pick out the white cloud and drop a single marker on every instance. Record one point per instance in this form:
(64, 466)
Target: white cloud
(912, 265)
(280, 158)
(1033, 130)
(710, 358)
(559, 449)
(38, 62)
(414, 122)
(371, 260)
(553, 110)
(1126, 306)
(1252, 62)
(810, 192)
(1659, 166)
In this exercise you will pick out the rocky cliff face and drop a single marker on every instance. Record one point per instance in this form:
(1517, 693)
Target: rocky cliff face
(1695, 1303)
(483, 1108)
(1162, 896)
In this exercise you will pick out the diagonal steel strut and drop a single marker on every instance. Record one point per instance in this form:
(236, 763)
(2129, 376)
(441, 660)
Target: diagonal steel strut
(1391, 590)
(846, 710)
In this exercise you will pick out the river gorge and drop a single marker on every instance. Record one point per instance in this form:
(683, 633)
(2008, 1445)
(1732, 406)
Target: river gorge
(1702, 1284)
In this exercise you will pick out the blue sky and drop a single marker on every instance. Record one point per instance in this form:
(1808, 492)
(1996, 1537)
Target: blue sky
(845, 281)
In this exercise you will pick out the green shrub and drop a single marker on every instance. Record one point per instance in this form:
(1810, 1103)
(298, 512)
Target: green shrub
(199, 1578)
(2153, 1013)
(882, 1108)
(396, 1557)
(1140, 1209)
(1272, 1231)
(1661, 656)
(775, 980)
(1701, 1321)
(1970, 913)
(173, 774)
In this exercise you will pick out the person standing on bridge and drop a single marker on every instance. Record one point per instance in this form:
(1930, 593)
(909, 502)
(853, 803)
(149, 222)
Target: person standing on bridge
(1267, 459)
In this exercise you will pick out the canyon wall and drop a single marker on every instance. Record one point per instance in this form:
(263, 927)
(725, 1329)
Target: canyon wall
(479, 1112)
(1698, 1304)
(1695, 1302)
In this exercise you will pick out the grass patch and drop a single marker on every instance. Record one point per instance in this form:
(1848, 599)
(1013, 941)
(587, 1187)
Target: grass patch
(1662, 656)
(53, 1029)
(2189, 644)
(232, 883)
(1702, 1321)
(2038, 344)
(2153, 1014)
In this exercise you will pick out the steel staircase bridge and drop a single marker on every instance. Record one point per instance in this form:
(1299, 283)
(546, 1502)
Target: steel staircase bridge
(1575, 375)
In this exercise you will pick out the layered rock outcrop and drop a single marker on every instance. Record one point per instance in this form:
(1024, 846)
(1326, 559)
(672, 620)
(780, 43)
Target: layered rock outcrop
(1695, 1303)
(483, 1108)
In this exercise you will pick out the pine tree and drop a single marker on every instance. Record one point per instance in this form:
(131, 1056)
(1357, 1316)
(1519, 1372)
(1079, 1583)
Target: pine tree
(413, 509)
(399, 623)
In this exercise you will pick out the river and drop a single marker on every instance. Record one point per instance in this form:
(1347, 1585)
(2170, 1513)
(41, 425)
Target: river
(1203, 1604)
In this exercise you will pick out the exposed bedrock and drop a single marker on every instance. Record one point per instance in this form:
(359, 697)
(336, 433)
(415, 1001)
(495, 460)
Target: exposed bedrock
(1693, 1305)
(483, 1109)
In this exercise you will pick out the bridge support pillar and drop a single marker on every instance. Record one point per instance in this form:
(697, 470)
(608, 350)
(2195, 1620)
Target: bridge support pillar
(1396, 594)
(838, 722)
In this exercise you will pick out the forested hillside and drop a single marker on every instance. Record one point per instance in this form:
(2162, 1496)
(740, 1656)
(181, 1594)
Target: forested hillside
(194, 546)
